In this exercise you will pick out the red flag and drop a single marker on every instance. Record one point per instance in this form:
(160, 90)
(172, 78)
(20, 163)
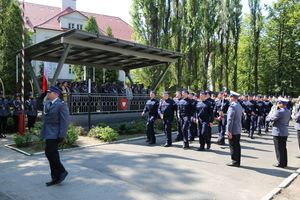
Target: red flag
(45, 81)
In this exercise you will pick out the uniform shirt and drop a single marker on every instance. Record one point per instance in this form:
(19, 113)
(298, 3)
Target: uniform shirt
(268, 106)
(4, 107)
(184, 107)
(260, 108)
(167, 108)
(151, 107)
(281, 118)
(248, 107)
(234, 118)
(221, 105)
(212, 105)
(17, 106)
(203, 111)
(254, 108)
(31, 107)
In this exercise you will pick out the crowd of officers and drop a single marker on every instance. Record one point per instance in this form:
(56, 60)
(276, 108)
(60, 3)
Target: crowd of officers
(14, 108)
(195, 114)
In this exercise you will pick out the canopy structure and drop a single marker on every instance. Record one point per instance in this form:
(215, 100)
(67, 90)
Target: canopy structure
(83, 48)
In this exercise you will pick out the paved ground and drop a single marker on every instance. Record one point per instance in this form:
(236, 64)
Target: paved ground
(134, 170)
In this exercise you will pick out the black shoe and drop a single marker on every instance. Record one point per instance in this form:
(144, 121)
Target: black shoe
(152, 142)
(2, 136)
(232, 164)
(53, 182)
(192, 139)
(147, 140)
(278, 165)
(221, 142)
(185, 147)
(208, 146)
(167, 145)
(201, 149)
(178, 139)
(252, 137)
(62, 177)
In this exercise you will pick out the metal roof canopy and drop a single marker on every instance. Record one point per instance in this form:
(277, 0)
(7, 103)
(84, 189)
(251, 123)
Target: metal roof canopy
(88, 49)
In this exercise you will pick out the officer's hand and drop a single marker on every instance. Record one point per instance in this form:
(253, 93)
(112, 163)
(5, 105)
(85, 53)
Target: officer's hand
(162, 116)
(142, 113)
(210, 124)
(229, 135)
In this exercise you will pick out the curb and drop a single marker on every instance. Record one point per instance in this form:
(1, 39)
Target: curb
(284, 184)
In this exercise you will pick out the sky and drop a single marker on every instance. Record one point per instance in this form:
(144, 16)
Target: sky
(118, 8)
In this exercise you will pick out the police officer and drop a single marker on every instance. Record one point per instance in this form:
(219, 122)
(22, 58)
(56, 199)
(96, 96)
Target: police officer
(17, 110)
(234, 129)
(211, 115)
(268, 106)
(184, 110)
(151, 108)
(166, 111)
(179, 135)
(250, 116)
(54, 130)
(193, 126)
(202, 118)
(4, 113)
(281, 118)
(220, 113)
(31, 110)
(260, 110)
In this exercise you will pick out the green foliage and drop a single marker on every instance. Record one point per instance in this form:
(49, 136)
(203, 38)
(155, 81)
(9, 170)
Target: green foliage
(106, 134)
(92, 26)
(109, 32)
(23, 140)
(73, 134)
(134, 127)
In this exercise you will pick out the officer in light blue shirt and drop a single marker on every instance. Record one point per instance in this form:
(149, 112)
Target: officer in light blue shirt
(4, 113)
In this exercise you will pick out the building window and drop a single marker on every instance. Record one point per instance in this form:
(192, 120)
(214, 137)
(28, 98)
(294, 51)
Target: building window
(79, 26)
(70, 69)
(71, 26)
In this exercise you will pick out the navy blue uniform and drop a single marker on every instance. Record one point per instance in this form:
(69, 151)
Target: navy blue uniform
(249, 110)
(167, 108)
(17, 110)
(184, 112)
(4, 113)
(151, 108)
(268, 107)
(31, 112)
(179, 135)
(193, 126)
(212, 105)
(203, 116)
(260, 110)
(220, 112)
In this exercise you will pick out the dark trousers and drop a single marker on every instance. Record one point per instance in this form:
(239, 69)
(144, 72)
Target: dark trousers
(222, 129)
(51, 151)
(16, 123)
(235, 149)
(179, 135)
(260, 123)
(298, 134)
(280, 150)
(31, 121)
(203, 131)
(192, 131)
(185, 125)
(3, 124)
(150, 129)
(167, 130)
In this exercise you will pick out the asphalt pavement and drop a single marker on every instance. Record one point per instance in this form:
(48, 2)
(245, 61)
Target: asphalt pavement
(136, 171)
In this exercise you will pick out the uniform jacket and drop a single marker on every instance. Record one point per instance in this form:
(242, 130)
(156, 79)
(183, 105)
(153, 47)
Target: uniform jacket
(203, 111)
(281, 118)
(234, 118)
(31, 107)
(17, 106)
(296, 116)
(4, 107)
(167, 108)
(56, 120)
(184, 108)
(151, 108)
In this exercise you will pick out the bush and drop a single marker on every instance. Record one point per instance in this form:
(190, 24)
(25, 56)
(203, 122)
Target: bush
(73, 134)
(23, 140)
(37, 128)
(106, 134)
(134, 127)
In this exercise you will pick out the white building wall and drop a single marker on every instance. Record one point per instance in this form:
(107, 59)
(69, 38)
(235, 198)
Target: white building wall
(74, 18)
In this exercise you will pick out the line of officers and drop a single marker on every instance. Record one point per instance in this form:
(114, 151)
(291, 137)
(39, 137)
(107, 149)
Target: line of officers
(14, 108)
(195, 115)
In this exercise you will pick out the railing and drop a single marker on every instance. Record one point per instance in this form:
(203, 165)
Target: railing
(105, 103)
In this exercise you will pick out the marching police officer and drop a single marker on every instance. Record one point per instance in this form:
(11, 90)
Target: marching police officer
(166, 111)
(211, 113)
(151, 108)
(221, 109)
(4, 113)
(184, 111)
(249, 110)
(234, 129)
(193, 126)
(260, 110)
(179, 135)
(31, 110)
(17, 110)
(202, 118)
